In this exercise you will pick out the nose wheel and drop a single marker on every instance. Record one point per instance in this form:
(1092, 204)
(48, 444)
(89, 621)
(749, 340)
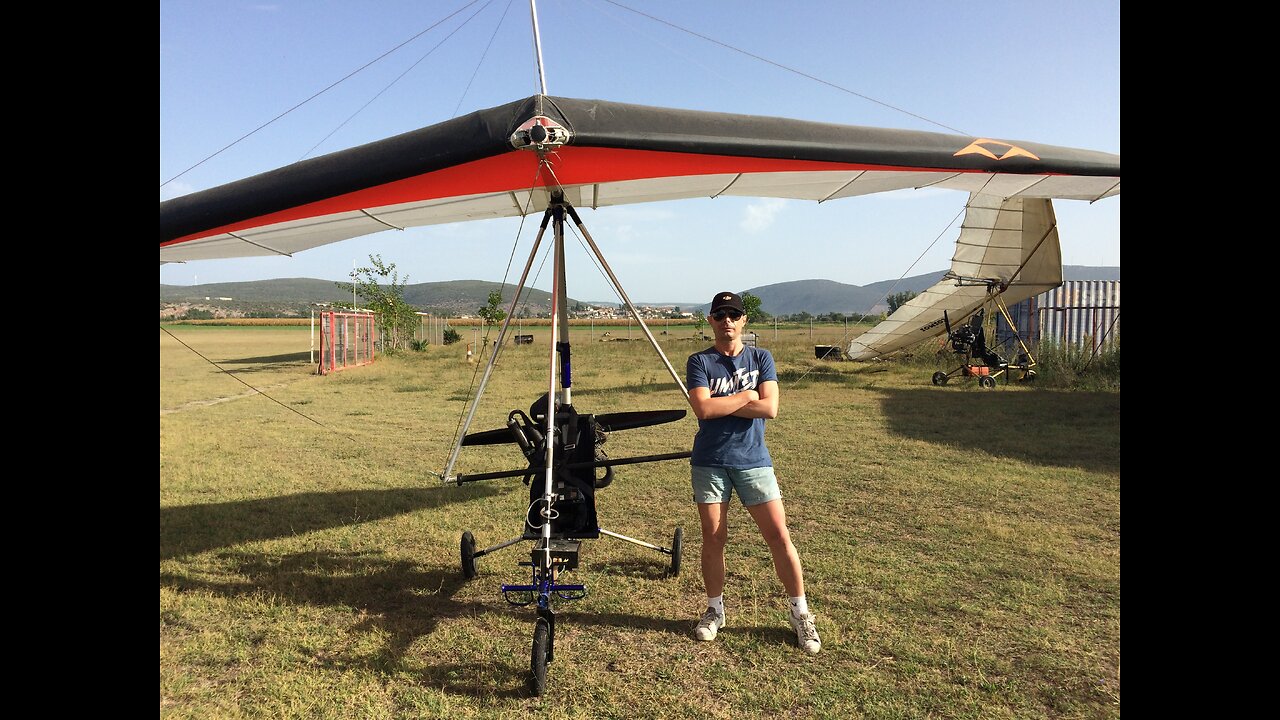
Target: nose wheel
(539, 656)
(549, 558)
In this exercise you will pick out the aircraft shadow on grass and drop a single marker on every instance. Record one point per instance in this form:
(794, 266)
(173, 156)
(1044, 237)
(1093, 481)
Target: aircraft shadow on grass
(191, 529)
(294, 357)
(402, 602)
(1081, 430)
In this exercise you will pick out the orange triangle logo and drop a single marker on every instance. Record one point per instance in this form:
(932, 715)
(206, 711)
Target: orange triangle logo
(1005, 150)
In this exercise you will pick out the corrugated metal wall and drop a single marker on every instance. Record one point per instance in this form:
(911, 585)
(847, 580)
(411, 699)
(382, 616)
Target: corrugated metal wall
(1082, 313)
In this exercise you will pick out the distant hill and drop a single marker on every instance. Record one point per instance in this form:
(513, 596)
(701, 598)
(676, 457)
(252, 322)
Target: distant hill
(459, 297)
(467, 296)
(819, 297)
(456, 297)
(1090, 272)
(284, 290)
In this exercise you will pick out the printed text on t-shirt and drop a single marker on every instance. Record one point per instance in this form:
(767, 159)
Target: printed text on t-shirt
(742, 379)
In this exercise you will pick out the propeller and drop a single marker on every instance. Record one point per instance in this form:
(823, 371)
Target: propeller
(608, 422)
(488, 437)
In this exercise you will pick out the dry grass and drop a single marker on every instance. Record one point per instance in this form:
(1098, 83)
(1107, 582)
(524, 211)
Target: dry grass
(961, 546)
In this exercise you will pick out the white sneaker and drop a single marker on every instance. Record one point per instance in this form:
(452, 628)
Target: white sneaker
(709, 625)
(806, 632)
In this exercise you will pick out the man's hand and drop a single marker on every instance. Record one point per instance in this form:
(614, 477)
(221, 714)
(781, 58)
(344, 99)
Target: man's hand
(763, 403)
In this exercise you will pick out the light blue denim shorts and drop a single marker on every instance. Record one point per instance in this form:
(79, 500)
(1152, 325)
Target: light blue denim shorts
(716, 485)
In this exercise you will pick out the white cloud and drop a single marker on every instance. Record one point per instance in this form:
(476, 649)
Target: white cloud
(760, 215)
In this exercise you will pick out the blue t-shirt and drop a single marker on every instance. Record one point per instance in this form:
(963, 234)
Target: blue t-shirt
(730, 441)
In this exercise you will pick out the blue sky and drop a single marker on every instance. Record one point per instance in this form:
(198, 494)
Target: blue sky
(1035, 71)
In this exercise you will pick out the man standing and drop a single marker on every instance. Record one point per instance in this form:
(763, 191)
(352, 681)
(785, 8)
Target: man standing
(733, 389)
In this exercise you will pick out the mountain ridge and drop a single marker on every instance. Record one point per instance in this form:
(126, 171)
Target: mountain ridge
(815, 296)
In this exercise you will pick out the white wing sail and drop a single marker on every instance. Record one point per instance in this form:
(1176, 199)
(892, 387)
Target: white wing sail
(1007, 247)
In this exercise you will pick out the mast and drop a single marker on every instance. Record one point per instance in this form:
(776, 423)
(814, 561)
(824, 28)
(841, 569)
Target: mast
(537, 47)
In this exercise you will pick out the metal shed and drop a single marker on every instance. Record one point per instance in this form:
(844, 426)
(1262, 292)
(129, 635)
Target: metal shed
(1080, 313)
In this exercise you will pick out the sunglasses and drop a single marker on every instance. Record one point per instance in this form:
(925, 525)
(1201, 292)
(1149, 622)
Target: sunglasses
(722, 314)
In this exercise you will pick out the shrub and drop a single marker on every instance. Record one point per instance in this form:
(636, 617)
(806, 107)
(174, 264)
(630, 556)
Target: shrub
(1069, 366)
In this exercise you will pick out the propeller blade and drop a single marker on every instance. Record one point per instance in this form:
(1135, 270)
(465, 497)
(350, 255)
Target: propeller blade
(609, 422)
(488, 437)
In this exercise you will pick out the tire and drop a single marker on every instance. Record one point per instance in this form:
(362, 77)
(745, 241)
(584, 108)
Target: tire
(538, 657)
(677, 545)
(939, 378)
(987, 382)
(468, 555)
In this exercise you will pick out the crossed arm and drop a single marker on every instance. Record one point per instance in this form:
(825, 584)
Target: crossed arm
(759, 403)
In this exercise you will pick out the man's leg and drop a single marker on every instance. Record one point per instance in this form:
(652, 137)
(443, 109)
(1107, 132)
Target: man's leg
(771, 518)
(715, 533)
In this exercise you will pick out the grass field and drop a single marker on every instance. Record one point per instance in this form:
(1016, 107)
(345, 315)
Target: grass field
(961, 546)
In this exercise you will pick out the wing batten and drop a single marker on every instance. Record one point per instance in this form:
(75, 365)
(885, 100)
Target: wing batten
(840, 189)
(260, 245)
(727, 185)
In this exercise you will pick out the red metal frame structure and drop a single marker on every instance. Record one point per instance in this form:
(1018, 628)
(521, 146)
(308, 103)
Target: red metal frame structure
(346, 340)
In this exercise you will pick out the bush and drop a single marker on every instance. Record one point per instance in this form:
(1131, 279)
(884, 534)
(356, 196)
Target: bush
(1069, 366)
(451, 336)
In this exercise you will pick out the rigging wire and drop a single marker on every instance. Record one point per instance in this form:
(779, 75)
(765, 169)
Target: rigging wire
(336, 83)
(921, 256)
(599, 270)
(788, 69)
(1101, 342)
(573, 228)
(900, 277)
(638, 28)
(397, 79)
(483, 55)
(242, 382)
(505, 273)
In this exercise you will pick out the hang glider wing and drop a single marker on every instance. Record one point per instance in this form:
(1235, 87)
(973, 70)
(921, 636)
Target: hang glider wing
(1007, 247)
(507, 160)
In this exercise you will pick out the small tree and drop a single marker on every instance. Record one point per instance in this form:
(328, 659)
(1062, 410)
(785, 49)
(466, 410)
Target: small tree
(751, 304)
(396, 318)
(492, 313)
(899, 299)
(698, 321)
(451, 336)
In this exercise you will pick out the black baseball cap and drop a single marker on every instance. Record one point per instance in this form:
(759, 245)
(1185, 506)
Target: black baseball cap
(724, 300)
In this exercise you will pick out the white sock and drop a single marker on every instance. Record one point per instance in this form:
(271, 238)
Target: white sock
(799, 606)
(717, 603)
